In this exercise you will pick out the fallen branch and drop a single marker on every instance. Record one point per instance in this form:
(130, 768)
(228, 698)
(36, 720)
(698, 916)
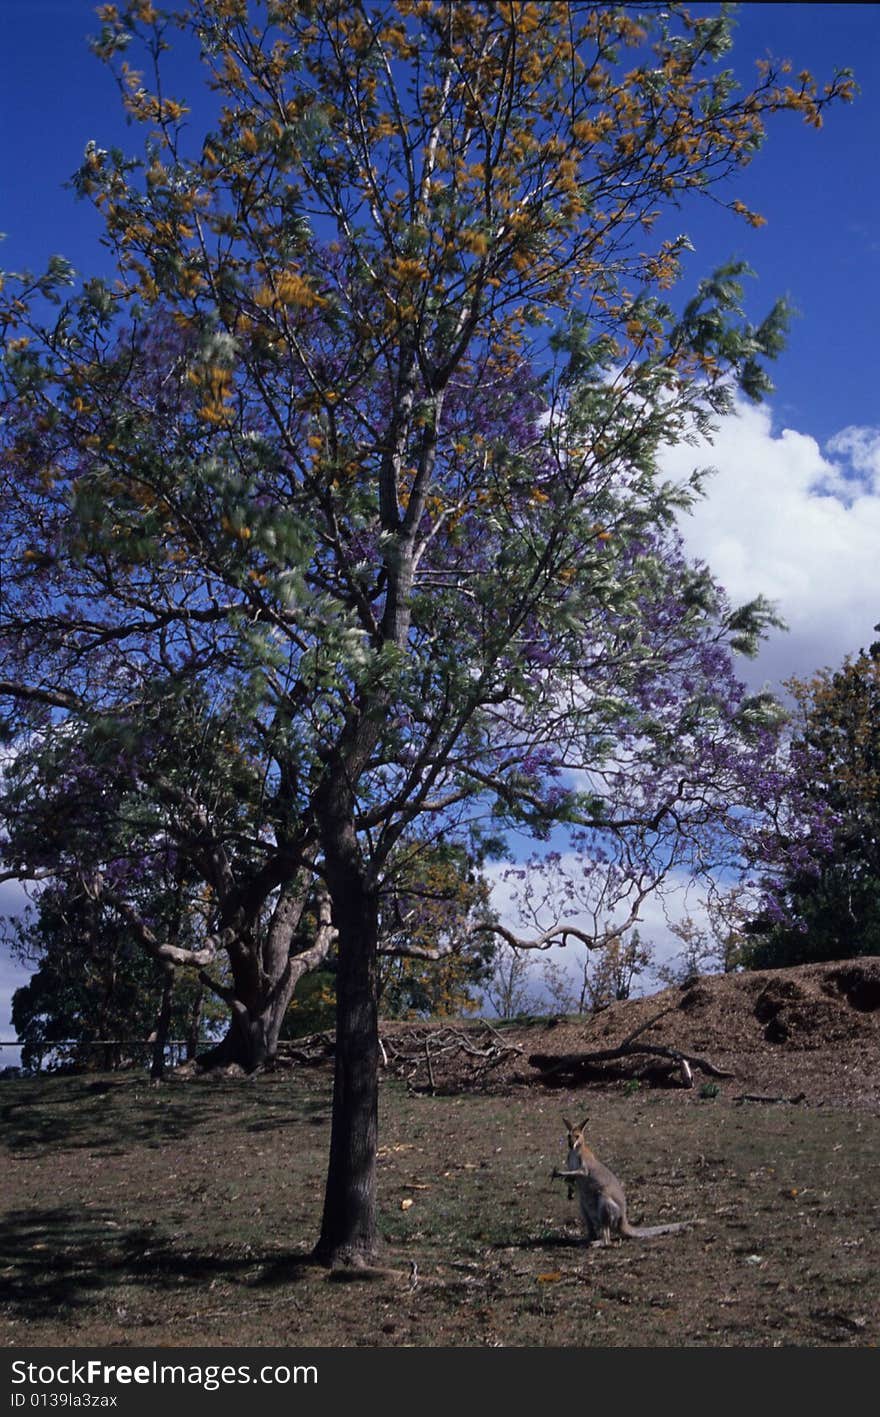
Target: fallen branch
(643, 1027)
(552, 1064)
(311, 1050)
(431, 1051)
(765, 1097)
(420, 1055)
(428, 1061)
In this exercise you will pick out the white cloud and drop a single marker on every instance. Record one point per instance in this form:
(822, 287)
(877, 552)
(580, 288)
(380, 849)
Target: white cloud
(801, 525)
(861, 448)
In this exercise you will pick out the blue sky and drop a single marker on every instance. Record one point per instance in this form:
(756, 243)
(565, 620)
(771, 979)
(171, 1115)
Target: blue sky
(795, 508)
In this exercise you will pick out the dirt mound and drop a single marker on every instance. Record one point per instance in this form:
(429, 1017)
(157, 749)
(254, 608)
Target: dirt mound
(811, 1032)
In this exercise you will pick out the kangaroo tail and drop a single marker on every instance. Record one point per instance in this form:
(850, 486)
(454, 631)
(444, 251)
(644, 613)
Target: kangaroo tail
(649, 1232)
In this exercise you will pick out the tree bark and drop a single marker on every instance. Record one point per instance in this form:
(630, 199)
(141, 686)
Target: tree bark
(265, 977)
(348, 1227)
(251, 1040)
(163, 1025)
(195, 1023)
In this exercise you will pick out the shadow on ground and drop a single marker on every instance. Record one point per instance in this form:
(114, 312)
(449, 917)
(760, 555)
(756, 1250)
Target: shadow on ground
(57, 1261)
(49, 1115)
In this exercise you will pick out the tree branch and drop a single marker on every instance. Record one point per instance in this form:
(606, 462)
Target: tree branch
(560, 933)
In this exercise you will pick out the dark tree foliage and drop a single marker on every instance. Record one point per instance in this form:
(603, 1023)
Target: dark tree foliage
(95, 996)
(823, 900)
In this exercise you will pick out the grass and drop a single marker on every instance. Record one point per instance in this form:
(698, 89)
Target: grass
(185, 1215)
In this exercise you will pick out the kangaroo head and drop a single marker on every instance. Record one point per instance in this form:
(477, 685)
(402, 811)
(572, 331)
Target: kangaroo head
(576, 1137)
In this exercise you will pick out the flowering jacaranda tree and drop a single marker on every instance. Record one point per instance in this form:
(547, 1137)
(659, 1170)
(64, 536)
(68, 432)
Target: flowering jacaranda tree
(166, 785)
(363, 441)
(816, 855)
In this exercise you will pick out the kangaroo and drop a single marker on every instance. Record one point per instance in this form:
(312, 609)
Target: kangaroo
(601, 1195)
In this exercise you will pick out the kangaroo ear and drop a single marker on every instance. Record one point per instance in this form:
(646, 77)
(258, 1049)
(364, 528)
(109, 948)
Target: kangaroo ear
(583, 1125)
(567, 1124)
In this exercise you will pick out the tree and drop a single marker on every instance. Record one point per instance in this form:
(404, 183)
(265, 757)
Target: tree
(509, 989)
(601, 976)
(717, 942)
(119, 815)
(440, 897)
(313, 1006)
(367, 436)
(94, 985)
(170, 793)
(438, 894)
(820, 849)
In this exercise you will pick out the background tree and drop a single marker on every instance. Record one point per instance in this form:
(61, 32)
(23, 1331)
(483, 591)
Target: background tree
(698, 953)
(313, 1006)
(821, 850)
(600, 977)
(431, 964)
(367, 433)
(510, 987)
(431, 959)
(125, 813)
(94, 984)
(169, 794)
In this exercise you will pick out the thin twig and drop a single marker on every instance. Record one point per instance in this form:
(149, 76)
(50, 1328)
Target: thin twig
(428, 1061)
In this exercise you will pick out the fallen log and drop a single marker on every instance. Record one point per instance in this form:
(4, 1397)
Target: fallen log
(557, 1064)
(575, 1064)
(769, 1097)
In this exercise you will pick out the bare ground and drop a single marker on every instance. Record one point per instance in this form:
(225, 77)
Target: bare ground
(184, 1214)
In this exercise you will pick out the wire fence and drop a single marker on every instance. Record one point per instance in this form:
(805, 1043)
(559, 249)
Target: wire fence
(120, 1053)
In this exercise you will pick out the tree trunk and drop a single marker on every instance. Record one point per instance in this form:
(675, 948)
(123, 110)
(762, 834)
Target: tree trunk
(348, 1227)
(265, 976)
(195, 1024)
(163, 1025)
(251, 1040)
